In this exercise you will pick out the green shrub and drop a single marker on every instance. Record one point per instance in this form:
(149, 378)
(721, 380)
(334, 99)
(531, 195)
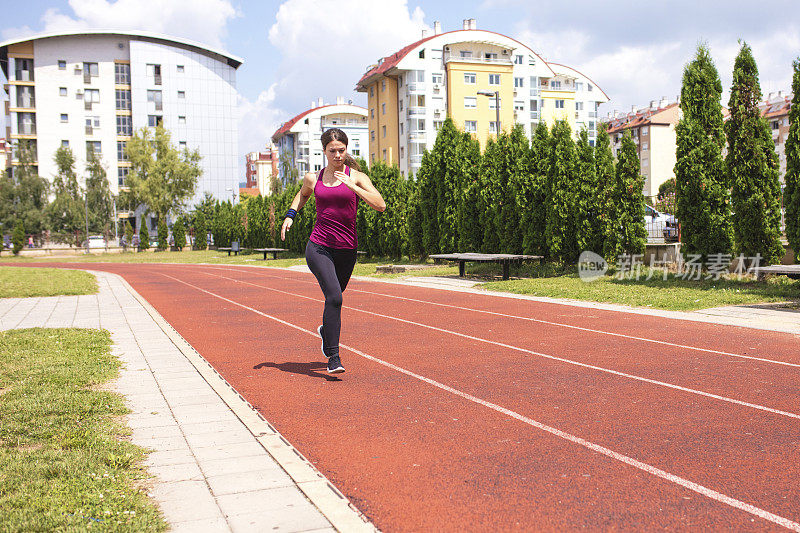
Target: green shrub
(18, 237)
(163, 234)
(179, 233)
(144, 237)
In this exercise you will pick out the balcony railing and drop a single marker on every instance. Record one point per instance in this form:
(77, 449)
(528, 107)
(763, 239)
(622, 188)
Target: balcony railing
(89, 130)
(27, 102)
(87, 78)
(415, 160)
(417, 136)
(535, 91)
(87, 105)
(534, 115)
(415, 88)
(592, 114)
(27, 129)
(157, 79)
(448, 56)
(23, 75)
(414, 111)
(563, 88)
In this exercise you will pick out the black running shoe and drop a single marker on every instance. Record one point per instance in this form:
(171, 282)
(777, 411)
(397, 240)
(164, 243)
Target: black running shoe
(321, 346)
(335, 365)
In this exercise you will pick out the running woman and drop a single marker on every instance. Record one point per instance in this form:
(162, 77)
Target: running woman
(331, 249)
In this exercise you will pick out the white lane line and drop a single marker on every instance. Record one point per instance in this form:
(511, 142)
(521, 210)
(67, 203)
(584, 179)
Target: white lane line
(538, 354)
(548, 322)
(662, 474)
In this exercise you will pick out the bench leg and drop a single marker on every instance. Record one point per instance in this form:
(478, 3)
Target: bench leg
(229, 253)
(275, 255)
(265, 256)
(505, 270)
(461, 268)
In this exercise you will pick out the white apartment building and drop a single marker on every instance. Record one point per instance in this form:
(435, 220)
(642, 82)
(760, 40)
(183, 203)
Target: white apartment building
(90, 90)
(457, 74)
(299, 137)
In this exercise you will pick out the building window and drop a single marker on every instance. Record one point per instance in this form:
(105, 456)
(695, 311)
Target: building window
(180, 69)
(401, 128)
(123, 99)
(493, 127)
(519, 82)
(436, 78)
(519, 106)
(494, 79)
(559, 104)
(469, 78)
(493, 103)
(181, 119)
(182, 145)
(401, 105)
(122, 74)
(465, 54)
(154, 72)
(122, 155)
(383, 85)
(122, 175)
(64, 143)
(23, 69)
(437, 125)
(372, 135)
(92, 147)
(383, 109)
(62, 91)
(90, 97)
(25, 97)
(62, 64)
(644, 146)
(470, 102)
(92, 123)
(589, 87)
(422, 54)
(578, 106)
(578, 85)
(518, 59)
(645, 130)
(181, 94)
(402, 152)
(555, 85)
(155, 97)
(356, 152)
(90, 70)
(471, 126)
(124, 125)
(371, 91)
(383, 131)
(154, 120)
(372, 112)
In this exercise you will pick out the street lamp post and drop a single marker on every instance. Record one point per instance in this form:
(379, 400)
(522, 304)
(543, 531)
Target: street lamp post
(496, 95)
(233, 194)
(86, 211)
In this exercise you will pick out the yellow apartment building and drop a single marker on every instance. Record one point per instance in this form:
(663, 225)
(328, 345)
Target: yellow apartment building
(466, 75)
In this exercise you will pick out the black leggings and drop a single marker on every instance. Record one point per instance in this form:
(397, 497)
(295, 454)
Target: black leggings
(332, 268)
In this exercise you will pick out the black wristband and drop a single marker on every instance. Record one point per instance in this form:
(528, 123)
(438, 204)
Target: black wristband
(291, 213)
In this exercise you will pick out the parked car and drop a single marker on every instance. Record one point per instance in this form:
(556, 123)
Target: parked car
(95, 241)
(660, 225)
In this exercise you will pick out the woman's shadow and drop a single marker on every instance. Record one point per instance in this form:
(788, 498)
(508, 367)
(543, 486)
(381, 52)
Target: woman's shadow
(313, 369)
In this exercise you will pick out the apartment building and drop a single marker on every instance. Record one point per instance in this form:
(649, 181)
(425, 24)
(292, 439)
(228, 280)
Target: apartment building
(90, 90)
(653, 131)
(261, 170)
(4, 155)
(467, 75)
(298, 139)
(775, 110)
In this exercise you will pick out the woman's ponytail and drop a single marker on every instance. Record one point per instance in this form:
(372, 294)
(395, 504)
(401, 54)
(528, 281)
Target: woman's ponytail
(351, 162)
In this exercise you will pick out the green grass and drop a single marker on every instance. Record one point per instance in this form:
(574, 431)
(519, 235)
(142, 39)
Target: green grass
(63, 465)
(21, 282)
(673, 293)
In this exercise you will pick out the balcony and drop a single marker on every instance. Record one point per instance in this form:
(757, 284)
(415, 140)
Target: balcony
(477, 59)
(415, 160)
(89, 130)
(535, 91)
(416, 111)
(87, 105)
(417, 136)
(534, 115)
(592, 114)
(87, 78)
(415, 88)
(26, 129)
(562, 88)
(23, 75)
(157, 79)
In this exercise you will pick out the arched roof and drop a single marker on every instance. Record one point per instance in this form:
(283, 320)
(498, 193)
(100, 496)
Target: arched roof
(286, 126)
(231, 60)
(582, 74)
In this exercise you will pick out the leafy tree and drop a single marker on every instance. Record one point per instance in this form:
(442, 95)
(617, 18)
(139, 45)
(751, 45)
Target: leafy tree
(426, 193)
(65, 214)
(179, 233)
(666, 189)
(703, 203)
(472, 206)
(588, 229)
(128, 233)
(414, 219)
(18, 237)
(161, 177)
(606, 185)
(450, 175)
(791, 195)
(560, 223)
(630, 236)
(387, 229)
(534, 215)
(288, 171)
(144, 236)
(163, 235)
(100, 204)
(24, 195)
(200, 230)
(753, 166)
(487, 202)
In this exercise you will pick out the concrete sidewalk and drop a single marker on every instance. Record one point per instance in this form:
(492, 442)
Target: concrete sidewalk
(218, 465)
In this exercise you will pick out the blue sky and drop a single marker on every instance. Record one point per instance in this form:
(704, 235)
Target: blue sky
(296, 51)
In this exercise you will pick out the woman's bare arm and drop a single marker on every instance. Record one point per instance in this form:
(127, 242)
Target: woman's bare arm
(300, 199)
(360, 184)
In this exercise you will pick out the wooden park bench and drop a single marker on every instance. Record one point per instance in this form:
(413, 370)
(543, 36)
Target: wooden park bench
(234, 247)
(273, 251)
(503, 259)
(793, 271)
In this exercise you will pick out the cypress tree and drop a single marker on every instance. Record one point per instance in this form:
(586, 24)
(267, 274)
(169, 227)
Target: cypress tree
(200, 230)
(426, 193)
(752, 166)
(702, 190)
(18, 237)
(791, 194)
(414, 243)
(128, 233)
(534, 214)
(489, 196)
(470, 232)
(560, 228)
(455, 169)
(606, 184)
(163, 234)
(179, 234)
(516, 165)
(630, 236)
(585, 213)
(144, 236)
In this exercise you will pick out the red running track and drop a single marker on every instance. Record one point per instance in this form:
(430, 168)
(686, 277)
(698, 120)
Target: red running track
(463, 411)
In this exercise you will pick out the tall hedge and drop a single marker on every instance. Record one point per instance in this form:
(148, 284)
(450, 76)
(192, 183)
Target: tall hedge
(630, 236)
(753, 166)
(588, 231)
(791, 194)
(534, 191)
(560, 231)
(606, 184)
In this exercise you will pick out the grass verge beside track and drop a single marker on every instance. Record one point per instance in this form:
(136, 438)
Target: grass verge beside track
(18, 282)
(63, 465)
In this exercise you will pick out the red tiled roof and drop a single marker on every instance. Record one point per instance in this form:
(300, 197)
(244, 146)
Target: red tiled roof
(640, 118)
(286, 126)
(250, 191)
(775, 109)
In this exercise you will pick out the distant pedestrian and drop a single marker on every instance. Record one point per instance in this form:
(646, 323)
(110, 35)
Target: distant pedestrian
(30, 241)
(331, 251)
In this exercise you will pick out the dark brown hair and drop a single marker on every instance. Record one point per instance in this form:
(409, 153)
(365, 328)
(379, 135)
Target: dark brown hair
(335, 134)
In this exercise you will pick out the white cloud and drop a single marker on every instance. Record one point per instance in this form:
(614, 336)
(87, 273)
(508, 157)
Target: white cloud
(326, 47)
(204, 21)
(258, 120)
(557, 46)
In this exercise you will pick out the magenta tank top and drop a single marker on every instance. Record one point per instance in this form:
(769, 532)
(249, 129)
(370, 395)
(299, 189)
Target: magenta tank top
(336, 215)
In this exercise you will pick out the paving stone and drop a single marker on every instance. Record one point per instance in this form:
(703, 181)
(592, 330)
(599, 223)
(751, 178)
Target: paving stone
(249, 481)
(177, 472)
